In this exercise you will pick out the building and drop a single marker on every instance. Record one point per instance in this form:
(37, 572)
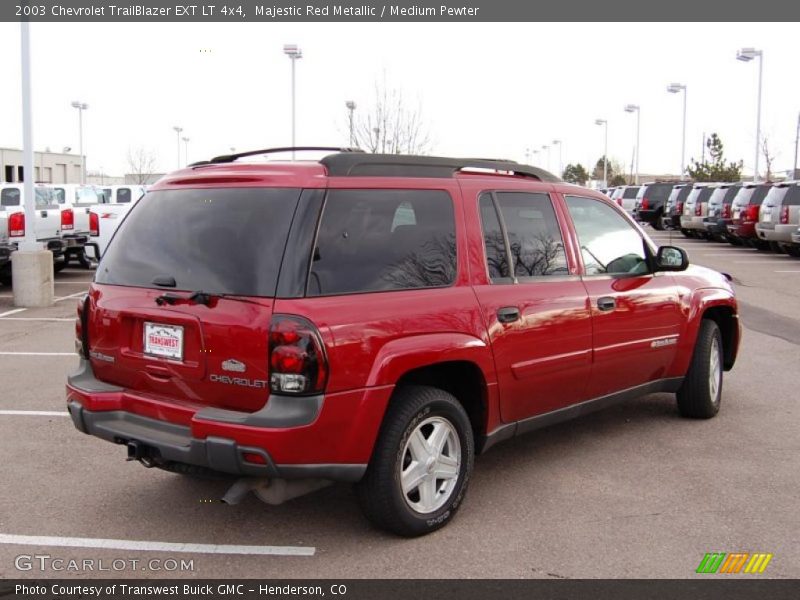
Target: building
(49, 167)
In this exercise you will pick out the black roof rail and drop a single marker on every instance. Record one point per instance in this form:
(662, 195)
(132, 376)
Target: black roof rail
(226, 158)
(402, 165)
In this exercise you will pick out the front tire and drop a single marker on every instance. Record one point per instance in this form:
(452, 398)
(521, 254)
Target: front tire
(421, 463)
(699, 396)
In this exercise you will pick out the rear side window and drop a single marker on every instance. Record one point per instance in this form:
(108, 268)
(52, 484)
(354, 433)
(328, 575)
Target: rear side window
(220, 241)
(759, 193)
(730, 194)
(382, 240)
(60, 195)
(704, 195)
(630, 192)
(534, 238)
(123, 195)
(10, 197)
(792, 197)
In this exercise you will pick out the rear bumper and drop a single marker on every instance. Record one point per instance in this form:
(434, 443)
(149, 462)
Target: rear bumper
(744, 229)
(716, 226)
(327, 437)
(5, 254)
(648, 216)
(694, 223)
(776, 233)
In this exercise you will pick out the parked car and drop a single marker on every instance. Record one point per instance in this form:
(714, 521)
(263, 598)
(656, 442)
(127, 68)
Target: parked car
(46, 225)
(780, 216)
(744, 210)
(76, 200)
(673, 210)
(651, 200)
(122, 194)
(625, 196)
(695, 209)
(719, 211)
(381, 319)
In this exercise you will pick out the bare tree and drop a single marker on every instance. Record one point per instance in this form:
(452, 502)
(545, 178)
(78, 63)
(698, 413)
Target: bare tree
(141, 165)
(769, 158)
(391, 125)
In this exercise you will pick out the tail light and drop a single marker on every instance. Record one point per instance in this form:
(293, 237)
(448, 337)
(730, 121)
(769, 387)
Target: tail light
(698, 209)
(67, 219)
(94, 224)
(680, 208)
(645, 204)
(726, 211)
(297, 360)
(16, 225)
(619, 200)
(785, 215)
(752, 212)
(82, 328)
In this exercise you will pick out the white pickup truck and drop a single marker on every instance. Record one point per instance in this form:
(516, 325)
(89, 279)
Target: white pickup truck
(75, 201)
(47, 224)
(104, 219)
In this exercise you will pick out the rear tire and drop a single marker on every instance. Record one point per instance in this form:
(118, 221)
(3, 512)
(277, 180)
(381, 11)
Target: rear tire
(793, 251)
(657, 224)
(700, 395)
(425, 431)
(59, 266)
(5, 275)
(776, 247)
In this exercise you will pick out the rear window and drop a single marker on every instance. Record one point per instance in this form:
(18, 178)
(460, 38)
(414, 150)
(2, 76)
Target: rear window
(630, 192)
(10, 197)
(123, 195)
(792, 197)
(704, 195)
(13, 197)
(381, 240)
(220, 241)
(658, 192)
(730, 194)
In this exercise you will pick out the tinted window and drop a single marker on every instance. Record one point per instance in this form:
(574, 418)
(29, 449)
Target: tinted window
(379, 240)
(730, 194)
(792, 197)
(10, 197)
(609, 244)
(220, 241)
(759, 193)
(534, 237)
(705, 194)
(630, 192)
(657, 193)
(123, 195)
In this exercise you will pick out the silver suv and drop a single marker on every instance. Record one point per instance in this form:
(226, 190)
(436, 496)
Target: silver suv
(780, 216)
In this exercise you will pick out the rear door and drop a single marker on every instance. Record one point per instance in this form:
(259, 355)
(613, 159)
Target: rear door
(534, 307)
(226, 242)
(636, 315)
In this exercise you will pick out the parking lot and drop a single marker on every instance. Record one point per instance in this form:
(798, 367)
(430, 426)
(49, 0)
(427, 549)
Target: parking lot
(633, 491)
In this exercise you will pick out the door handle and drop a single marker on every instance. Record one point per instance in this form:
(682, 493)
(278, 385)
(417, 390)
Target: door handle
(606, 303)
(508, 314)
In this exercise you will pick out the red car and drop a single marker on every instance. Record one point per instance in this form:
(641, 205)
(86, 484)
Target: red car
(381, 319)
(745, 210)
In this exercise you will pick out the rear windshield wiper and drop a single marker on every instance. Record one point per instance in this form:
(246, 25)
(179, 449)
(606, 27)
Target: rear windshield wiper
(198, 297)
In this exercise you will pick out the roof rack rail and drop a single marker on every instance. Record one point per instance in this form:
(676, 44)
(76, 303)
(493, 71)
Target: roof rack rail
(402, 165)
(226, 158)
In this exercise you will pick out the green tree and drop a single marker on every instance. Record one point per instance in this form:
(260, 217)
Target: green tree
(617, 180)
(575, 174)
(715, 168)
(597, 173)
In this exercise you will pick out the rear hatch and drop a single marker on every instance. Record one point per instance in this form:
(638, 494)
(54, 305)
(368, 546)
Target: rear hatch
(771, 206)
(147, 334)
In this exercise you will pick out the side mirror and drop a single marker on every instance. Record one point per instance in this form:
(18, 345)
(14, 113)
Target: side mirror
(671, 258)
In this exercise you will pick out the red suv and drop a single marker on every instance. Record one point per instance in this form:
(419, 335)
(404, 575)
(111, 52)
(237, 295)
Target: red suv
(381, 319)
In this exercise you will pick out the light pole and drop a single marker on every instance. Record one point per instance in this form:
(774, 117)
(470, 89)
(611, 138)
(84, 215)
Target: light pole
(635, 108)
(674, 88)
(546, 147)
(178, 132)
(604, 122)
(558, 143)
(81, 106)
(746, 55)
(351, 106)
(186, 148)
(796, 141)
(294, 53)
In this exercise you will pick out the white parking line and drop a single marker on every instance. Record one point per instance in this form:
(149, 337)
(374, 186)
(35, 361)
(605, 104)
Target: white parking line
(65, 320)
(38, 354)
(33, 413)
(75, 295)
(786, 271)
(107, 544)
(12, 312)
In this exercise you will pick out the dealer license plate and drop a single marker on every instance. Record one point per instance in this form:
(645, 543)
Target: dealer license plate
(165, 341)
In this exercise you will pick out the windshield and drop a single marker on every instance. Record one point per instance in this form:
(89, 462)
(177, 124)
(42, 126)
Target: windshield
(220, 241)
